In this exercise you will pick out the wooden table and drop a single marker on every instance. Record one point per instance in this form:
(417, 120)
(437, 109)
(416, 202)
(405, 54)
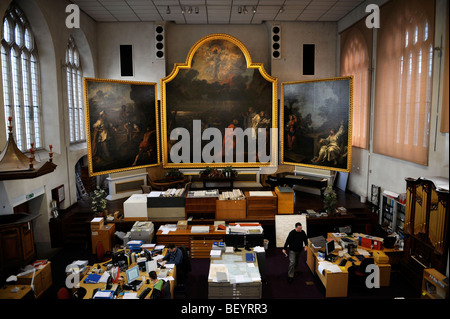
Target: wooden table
(228, 290)
(336, 283)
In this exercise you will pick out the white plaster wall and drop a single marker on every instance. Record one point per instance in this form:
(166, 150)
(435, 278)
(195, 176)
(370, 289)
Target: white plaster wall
(47, 19)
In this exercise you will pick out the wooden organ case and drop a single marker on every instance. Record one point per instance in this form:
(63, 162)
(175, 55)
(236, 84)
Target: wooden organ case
(426, 227)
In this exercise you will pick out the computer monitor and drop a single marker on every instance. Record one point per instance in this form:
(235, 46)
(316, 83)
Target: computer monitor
(329, 248)
(132, 274)
(234, 240)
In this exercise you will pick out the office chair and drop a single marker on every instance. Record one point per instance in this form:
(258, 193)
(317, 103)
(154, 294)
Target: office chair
(185, 267)
(358, 274)
(146, 189)
(166, 291)
(63, 293)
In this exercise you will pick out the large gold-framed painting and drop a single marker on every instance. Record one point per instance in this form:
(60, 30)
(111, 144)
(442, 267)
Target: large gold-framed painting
(218, 108)
(316, 119)
(121, 124)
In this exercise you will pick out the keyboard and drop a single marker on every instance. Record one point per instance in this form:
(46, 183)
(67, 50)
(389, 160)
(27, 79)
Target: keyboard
(343, 262)
(144, 293)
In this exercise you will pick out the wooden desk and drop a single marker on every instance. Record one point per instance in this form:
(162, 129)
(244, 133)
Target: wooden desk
(199, 244)
(230, 290)
(336, 283)
(91, 287)
(7, 292)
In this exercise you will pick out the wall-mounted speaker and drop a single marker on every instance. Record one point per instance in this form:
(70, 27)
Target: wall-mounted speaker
(159, 42)
(276, 42)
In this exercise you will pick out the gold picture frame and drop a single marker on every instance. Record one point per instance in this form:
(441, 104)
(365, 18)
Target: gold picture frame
(219, 76)
(316, 121)
(122, 125)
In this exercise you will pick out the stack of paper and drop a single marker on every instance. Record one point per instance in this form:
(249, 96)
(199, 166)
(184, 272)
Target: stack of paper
(200, 229)
(326, 265)
(216, 253)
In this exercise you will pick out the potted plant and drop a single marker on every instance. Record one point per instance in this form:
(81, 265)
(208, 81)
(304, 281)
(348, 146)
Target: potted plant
(206, 172)
(229, 172)
(174, 174)
(98, 204)
(329, 200)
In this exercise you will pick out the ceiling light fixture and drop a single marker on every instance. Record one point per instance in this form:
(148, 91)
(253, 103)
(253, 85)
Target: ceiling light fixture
(183, 11)
(190, 10)
(168, 10)
(281, 9)
(239, 9)
(254, 9)
(196, 10)
(245, 10)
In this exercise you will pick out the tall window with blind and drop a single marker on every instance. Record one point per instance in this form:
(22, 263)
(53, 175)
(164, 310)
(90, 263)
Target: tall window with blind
(20, 73)
(355, 61)
(404, 80)
(74, 78)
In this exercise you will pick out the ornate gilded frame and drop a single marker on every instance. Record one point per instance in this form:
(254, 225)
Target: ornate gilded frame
(180, 67)
(302, 139)
(140, 146)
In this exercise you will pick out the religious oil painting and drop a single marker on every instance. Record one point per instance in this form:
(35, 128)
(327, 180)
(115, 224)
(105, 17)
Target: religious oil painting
(122, 125)
(219, 107)
(316, 123)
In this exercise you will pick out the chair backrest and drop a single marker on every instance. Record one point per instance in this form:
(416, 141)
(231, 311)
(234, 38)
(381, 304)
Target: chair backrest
(364, 263)
(186, 263)
(146, 189)
(63, 293)
(166, 291)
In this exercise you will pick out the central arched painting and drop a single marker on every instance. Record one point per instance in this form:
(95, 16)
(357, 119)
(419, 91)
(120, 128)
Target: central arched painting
(218, 108)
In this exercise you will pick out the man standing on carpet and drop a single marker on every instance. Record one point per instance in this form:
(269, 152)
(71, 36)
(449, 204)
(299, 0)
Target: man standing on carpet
(297, 242)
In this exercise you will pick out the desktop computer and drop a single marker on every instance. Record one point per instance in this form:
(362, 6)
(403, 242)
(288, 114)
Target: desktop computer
(329, 248)
(133, 283)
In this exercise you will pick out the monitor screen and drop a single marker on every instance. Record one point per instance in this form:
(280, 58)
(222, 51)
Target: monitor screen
(132, 274)
(234, 240)
(329, 247)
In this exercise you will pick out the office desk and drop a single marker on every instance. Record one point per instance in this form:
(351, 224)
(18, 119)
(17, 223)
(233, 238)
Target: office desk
(90, 287)
(9, 292)
(244, 281)
(336, 283)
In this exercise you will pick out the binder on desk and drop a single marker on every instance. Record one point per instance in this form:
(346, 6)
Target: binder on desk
(249, 257)
(92, 279)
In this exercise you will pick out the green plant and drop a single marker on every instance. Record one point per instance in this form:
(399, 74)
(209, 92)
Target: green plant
(99, 201)
(206, 171)
(229, 171)
(329, 199)
(174, 172)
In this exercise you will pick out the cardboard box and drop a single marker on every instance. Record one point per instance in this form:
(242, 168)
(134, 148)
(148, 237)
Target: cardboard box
(380, 257)
(182, 224)
(97, 223)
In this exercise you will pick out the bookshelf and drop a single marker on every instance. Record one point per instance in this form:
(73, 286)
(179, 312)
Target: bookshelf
(392, 210)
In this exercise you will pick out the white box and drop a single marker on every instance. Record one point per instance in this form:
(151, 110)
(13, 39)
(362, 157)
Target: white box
(135, 206)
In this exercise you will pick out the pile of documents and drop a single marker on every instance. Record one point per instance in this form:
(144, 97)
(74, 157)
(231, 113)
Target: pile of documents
(328, 266)
(236, 194)
(173, 192)
(204, 193)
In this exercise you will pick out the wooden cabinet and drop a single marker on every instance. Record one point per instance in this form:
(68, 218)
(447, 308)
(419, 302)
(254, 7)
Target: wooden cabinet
(202, 207)
(16, 245)
(231, 209)
(426, 227)
(261, 206)
(433, 285)
(285, 200)
(201, 247)
(42, 279)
